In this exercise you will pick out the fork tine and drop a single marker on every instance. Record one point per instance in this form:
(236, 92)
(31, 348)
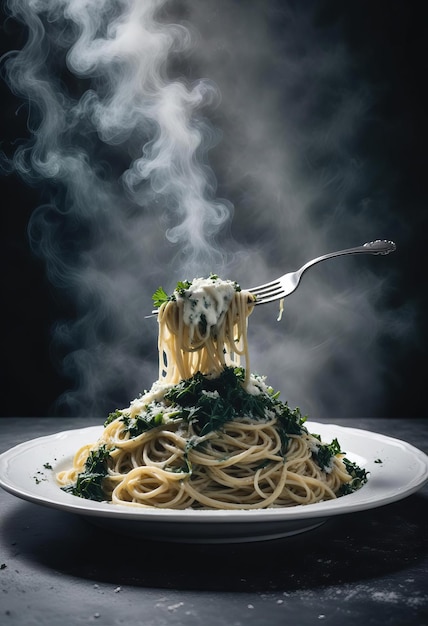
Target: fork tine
(270, 298)
(276, 290)
(273, 283)
(269, 294)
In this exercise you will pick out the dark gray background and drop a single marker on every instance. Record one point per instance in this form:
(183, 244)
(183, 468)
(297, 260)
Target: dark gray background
(322, 145)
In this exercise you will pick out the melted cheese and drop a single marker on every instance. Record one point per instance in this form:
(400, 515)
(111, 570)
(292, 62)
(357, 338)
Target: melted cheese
(206, 301)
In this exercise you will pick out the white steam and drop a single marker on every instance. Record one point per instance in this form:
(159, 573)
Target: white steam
(125, 120)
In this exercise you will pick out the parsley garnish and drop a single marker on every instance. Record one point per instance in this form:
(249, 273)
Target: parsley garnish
(359, 478)
(160, 297)
(141, 423)
(89, 482)
(182, 286)
(324, 455)
(326, 452)
(112, 417)
(211, 402)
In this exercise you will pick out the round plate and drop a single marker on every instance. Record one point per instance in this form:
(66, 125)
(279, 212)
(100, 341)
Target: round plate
(396, 469)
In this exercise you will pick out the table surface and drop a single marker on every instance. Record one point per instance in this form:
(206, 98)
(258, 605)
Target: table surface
(367, 568)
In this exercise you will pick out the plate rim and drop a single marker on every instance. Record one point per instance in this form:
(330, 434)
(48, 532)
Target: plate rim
(346, 504)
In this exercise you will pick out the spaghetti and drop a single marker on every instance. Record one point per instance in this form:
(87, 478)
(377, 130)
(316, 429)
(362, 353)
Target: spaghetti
(203, 329)
(209, 434)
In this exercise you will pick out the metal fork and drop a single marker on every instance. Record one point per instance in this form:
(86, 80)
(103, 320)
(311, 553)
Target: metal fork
(286, 284)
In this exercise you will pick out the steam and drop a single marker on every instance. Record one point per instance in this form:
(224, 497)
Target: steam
(123, 50)
(125, 150)
(133, 105)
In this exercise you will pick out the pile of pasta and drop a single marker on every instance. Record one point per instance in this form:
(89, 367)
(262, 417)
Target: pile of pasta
(209, 434)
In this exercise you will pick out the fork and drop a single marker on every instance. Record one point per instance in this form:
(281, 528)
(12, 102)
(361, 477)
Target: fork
(286, 284)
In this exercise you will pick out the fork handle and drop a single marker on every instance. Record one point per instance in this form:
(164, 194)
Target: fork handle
(380, 246)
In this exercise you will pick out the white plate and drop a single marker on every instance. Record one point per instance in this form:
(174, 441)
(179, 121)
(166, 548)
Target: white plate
(402, 471)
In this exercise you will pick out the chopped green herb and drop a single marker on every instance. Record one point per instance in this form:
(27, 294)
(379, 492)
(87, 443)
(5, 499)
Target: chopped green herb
(182, 286)
(359, 478)
(211, 402)
(378, 461)
(112, 417)
(325, 453)
(152, 418)
(159, 297)
(89, 482)
(39, 477)
(48, 466)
